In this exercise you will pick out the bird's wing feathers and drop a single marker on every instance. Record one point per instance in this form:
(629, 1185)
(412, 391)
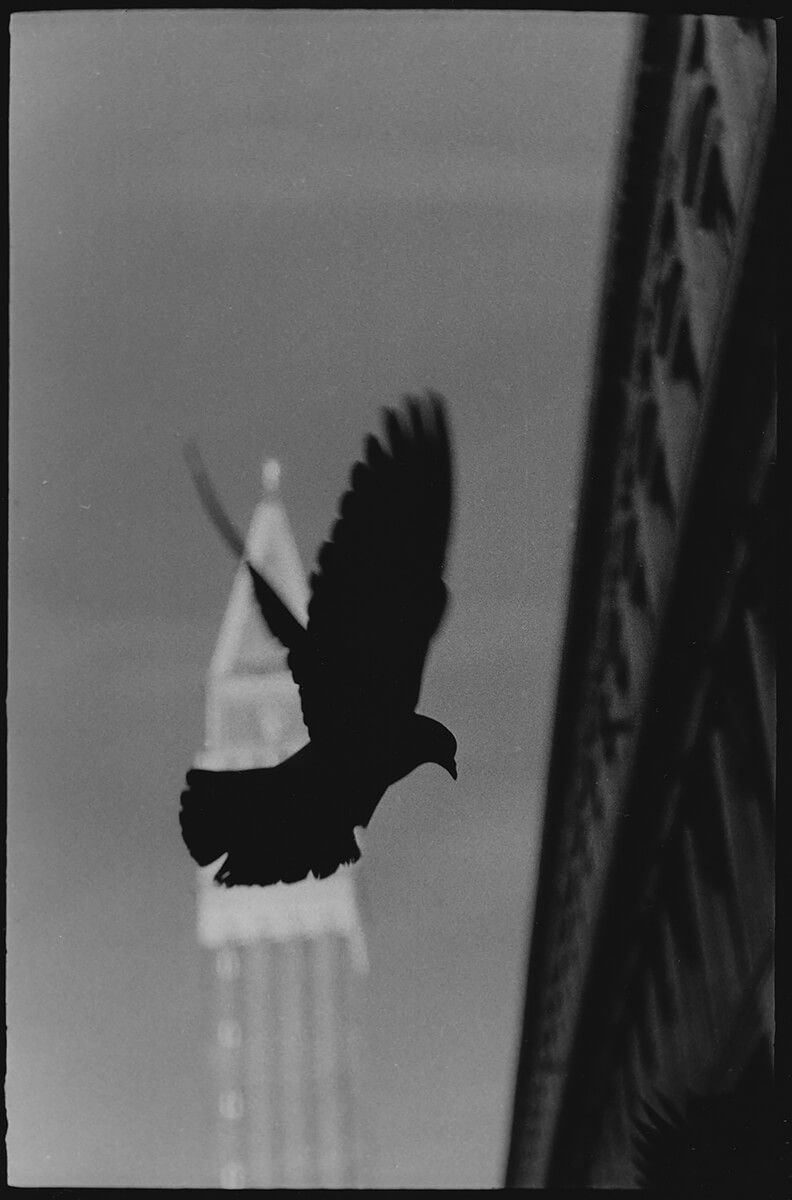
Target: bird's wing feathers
(378, 594)
(280, 620)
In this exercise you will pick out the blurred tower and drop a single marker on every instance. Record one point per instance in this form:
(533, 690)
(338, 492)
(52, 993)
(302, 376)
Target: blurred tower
(289, 960)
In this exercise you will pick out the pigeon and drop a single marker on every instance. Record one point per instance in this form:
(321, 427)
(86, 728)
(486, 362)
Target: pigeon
(377, 598)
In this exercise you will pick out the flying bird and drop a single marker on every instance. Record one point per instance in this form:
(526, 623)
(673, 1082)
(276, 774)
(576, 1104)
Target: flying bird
(377, 597)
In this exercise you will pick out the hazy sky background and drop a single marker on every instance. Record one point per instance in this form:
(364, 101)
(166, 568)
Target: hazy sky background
(257, 228)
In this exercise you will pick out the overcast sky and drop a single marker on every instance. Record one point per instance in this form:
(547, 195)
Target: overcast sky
(257, 228)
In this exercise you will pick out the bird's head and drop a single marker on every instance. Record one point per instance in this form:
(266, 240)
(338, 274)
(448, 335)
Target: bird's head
(436, 744)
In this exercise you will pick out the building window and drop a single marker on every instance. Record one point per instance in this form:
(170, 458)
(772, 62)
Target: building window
(645, 368)
(651, 458)
(715, 209)
(696, 60)
(705, 188)
(683, 364)
(667, 297)
(659, 487)
(753, 27)
(229, 1034)
(614, 651)
(231, 1106)
(668, 227)
(232, 1175)
(647, 436)
(227, 963)
(698, 130)
(638, 591)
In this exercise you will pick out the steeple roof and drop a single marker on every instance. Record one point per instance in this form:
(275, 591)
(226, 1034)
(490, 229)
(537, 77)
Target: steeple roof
(245, 646)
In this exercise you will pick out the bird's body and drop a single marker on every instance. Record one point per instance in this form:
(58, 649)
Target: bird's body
(377, 599)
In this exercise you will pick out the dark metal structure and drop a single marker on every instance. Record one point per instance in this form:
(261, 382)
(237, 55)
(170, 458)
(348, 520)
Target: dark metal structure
(650, 972)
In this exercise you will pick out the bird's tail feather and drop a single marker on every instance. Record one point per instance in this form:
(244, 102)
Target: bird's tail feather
(280, 621)
(227, 813)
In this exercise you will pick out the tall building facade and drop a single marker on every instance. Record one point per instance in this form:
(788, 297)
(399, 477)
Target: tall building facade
(649, 991)
(288, 961)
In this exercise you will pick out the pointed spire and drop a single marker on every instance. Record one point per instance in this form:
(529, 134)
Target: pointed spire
(270, 477)
(245, 645)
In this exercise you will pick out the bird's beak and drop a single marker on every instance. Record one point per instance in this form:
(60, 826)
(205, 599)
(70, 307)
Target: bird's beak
(452, 770)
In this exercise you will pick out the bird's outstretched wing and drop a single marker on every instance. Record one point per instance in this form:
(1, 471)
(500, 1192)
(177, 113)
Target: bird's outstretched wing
(377, 594)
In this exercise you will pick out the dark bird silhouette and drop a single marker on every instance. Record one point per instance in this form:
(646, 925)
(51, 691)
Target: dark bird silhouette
(377, 599)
